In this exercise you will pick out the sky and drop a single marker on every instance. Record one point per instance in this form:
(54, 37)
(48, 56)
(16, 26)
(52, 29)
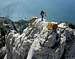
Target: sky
(55, 9)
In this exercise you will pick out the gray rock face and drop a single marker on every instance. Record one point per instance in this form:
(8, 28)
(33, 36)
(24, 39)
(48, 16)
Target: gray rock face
(37, 42)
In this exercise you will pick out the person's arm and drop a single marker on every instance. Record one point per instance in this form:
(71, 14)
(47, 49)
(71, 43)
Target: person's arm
(45, 14)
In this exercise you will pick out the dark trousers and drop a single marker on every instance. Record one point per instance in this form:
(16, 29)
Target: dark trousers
(42, 18)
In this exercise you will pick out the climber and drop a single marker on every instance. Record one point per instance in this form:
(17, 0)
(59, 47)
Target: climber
(42, 14)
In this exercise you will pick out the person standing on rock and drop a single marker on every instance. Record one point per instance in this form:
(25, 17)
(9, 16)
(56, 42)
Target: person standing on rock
(42, 14)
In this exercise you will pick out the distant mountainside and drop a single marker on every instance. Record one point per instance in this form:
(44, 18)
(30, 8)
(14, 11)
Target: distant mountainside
(11, 25)
(5, 20)
(5, 23)
(21, 25)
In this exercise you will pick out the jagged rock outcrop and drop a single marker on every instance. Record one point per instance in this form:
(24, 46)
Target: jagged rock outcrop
(37, 42)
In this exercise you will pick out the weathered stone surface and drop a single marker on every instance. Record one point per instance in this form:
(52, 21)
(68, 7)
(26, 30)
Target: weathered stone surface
(37, 42)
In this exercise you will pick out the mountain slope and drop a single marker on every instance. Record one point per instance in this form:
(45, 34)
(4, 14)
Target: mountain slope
(39, 41)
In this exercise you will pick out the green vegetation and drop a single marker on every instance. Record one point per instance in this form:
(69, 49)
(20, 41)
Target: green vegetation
(70, 25)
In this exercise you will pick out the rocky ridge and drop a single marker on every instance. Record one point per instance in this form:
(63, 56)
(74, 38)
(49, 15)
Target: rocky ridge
(37, 42)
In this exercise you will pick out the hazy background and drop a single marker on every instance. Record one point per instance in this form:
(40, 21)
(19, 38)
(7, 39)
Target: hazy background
(56, 9)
